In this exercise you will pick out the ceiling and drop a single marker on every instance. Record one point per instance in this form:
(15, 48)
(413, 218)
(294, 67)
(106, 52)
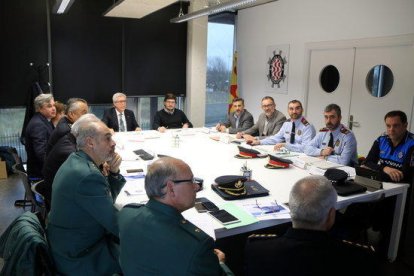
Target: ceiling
(141, 8)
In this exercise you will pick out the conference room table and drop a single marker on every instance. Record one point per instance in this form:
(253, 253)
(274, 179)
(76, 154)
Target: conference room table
(210, 155)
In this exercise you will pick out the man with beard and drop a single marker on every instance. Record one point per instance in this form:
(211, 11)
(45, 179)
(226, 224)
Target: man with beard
(169, 116)
(295, 132)
(334, 142)
(269, 122)
(82, 222)
(238, 120)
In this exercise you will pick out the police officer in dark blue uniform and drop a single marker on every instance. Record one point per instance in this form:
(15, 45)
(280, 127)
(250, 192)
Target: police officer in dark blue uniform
(393, 152)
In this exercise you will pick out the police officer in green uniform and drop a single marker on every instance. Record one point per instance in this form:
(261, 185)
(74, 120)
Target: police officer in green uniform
(307, 248)
(156, 239)
(82, 222)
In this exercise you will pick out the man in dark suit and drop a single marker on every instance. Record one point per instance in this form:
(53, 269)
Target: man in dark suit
(75, 107)
(156, 239)
(82, 222)
(238, 120)
(37, 134)
(307, 248)
(169, 116)
(59, 153)
(118, 118)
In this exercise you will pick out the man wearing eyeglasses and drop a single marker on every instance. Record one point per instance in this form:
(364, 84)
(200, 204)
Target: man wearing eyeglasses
(269, 122)
(118, 118)
(170, 117)
(155, 238)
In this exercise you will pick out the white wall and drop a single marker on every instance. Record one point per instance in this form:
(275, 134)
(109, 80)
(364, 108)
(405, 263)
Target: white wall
(297, 22)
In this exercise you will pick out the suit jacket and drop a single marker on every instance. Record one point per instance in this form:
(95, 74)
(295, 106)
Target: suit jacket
(110, 118)
(307, 252)
(62, 128)
(82, 220)
(59, 153)
(157, 240)
(273, 127)
(37, 135)
(245, 122)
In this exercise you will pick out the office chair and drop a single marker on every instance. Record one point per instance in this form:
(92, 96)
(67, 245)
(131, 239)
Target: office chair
(29, 198)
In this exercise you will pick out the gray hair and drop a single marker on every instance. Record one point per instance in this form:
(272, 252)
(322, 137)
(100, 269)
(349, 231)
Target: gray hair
(87, 126)
(42, 99)
(157, 176)
(310, 200)
(74, 104)
(117, 95)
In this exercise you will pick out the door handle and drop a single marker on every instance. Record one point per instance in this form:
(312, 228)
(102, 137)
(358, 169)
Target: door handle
(353, 123)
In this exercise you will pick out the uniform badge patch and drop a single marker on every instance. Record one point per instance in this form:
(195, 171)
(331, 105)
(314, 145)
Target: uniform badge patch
(299, 132)
(400, 155)
(337, 143)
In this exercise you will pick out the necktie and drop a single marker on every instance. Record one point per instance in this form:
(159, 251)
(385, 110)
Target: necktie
(331, 140)
(292, 133)
(237, 122)
(265, 128)
(121, 123)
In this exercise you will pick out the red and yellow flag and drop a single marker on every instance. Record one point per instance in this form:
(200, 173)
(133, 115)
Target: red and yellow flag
(233, 82)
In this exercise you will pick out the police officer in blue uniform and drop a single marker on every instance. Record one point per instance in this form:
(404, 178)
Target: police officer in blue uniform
(156, 239)
(334, 142)
(295, 132)
(393, 152)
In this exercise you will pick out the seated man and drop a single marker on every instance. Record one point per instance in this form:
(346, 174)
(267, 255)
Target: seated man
(169, 116)
(75, 108)
(269, 122)
(307, 248)
(294, 134)
(38, 131)
(155, 238)
(335, 142)
(118, 118)
(238, 120)
(393, 153)
(82, 222)
(59, 153)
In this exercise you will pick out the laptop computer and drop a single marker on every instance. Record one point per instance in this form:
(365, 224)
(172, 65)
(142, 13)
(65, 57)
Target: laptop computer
(368, 178)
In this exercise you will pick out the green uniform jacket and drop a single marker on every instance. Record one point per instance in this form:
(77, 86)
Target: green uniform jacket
(156, 239)
(83, 217)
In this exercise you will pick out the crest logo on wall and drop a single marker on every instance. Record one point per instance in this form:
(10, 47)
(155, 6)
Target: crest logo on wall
(277, 68)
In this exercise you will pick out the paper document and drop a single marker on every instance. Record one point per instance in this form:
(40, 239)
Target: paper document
(266, 208)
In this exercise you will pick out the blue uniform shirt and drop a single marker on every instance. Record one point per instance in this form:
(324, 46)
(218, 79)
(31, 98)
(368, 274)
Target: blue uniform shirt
(304, 132)
(345, 145)
(401, 157)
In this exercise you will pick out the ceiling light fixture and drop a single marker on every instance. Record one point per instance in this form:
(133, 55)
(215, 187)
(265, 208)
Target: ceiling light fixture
(62, 6)
(231, 5)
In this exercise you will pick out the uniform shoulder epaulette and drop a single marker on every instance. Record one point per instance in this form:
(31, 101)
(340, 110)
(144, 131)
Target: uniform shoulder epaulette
(304, 121)
(359, 245)
(411, 135)
(289, 120)
(262, 236)
(344, 130)
(134, 205)
(324, 129)
(193, 230)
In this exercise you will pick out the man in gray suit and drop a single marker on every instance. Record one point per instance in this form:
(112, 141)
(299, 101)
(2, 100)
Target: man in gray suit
(238, 120)
(269, 122)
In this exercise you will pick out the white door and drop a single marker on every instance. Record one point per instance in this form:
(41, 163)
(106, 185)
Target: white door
(368, 111)
(318, 98)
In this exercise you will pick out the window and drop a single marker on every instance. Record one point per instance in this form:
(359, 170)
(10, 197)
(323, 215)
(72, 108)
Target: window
(220, 48)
